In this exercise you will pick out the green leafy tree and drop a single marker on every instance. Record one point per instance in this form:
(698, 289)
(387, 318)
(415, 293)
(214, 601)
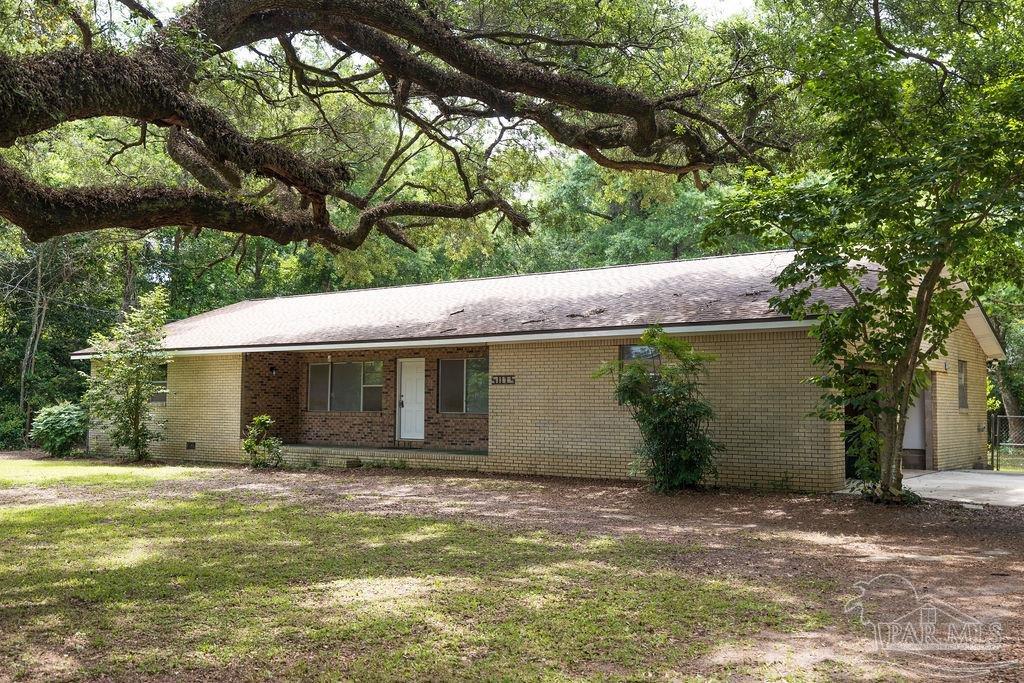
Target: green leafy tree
(377, 118)
(664, 396)
(59, 428)
(912, 202)
(1006, 306)
(126, 366)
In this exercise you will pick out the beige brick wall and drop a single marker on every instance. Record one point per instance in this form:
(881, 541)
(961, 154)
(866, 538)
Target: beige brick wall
(960, 435)
(203, 406)
(557, 419)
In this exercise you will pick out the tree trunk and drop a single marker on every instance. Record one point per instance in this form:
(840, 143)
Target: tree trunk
(129, 295)
(890, 430)
(897, 391)
(1011, 406)
(257, 267)
(40, 304)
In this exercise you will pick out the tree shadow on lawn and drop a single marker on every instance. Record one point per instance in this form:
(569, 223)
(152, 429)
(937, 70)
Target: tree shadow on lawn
(210, 589)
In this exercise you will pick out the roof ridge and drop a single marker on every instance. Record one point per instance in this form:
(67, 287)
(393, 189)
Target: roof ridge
(508, 277)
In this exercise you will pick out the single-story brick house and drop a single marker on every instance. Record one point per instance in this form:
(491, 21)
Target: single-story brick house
(495, 375)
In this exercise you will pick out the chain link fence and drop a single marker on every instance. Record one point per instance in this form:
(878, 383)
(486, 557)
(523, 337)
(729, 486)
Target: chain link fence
(1006, 439)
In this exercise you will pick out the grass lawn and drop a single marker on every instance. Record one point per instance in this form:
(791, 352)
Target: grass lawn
(120, 573)
(15, 473)
(210, 587)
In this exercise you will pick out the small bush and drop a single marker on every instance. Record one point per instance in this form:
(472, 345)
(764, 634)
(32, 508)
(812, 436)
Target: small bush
(126, 369)
(59, 428)
(263, 450)
(664, 396)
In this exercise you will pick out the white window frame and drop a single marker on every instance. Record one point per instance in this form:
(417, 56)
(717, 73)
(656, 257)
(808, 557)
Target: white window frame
(363, 385)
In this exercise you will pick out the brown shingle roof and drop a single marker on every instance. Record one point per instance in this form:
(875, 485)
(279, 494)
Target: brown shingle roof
(699, 291)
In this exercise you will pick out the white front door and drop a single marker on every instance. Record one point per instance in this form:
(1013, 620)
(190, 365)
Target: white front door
(411, 397)
(913, 434)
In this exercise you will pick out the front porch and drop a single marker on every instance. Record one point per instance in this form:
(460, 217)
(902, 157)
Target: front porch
(358, 456)
(418, 405)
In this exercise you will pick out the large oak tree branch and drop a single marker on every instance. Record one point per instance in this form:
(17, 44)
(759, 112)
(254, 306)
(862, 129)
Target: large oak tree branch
(427, 71)
(68, 85)
(229, 22)
(441, 83)
(44, 212)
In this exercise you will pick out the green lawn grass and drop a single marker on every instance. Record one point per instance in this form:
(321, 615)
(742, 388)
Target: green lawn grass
(14, 473)
(213, 588)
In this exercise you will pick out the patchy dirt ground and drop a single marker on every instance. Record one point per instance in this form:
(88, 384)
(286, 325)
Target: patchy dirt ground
(970, 559)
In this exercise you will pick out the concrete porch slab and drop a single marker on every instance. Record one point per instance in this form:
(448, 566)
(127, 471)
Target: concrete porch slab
(347, 456)
(981, 487)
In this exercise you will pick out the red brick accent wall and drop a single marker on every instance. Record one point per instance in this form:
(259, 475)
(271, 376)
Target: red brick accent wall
(283, 395)
(277, 394)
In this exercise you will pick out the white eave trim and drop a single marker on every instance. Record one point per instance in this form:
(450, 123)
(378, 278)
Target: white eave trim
(983, 332)
(491, 339)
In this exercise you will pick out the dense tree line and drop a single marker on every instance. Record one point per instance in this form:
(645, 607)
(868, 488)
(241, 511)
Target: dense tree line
(55, 294)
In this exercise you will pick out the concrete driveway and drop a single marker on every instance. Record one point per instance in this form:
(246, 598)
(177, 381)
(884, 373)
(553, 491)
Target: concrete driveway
(982, 487)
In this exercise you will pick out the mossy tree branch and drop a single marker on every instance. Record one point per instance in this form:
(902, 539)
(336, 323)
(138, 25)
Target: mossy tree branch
(421, 59)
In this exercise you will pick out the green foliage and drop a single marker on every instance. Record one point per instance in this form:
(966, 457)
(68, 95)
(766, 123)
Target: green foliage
(993, 404)
(912, 189)
(52, 296)
(899, 164)
(676, 450)
(12, 426)
(89, 279)
(125, 367)
(587, 217)
(1005, 304)
(263, 450)
(59, 428)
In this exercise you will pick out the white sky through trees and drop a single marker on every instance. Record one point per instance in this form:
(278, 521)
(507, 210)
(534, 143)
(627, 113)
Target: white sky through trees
(714, 9)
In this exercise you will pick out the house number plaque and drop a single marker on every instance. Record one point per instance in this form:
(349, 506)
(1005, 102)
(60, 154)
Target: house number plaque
(503, 379)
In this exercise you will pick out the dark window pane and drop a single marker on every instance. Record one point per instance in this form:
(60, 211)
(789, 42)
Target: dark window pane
(961, 371)
(372, 398)
(318, 389)
(160, 385)
(373, 373)
(634, 352)
(450, 385)
(477, 382)
(346, 386)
